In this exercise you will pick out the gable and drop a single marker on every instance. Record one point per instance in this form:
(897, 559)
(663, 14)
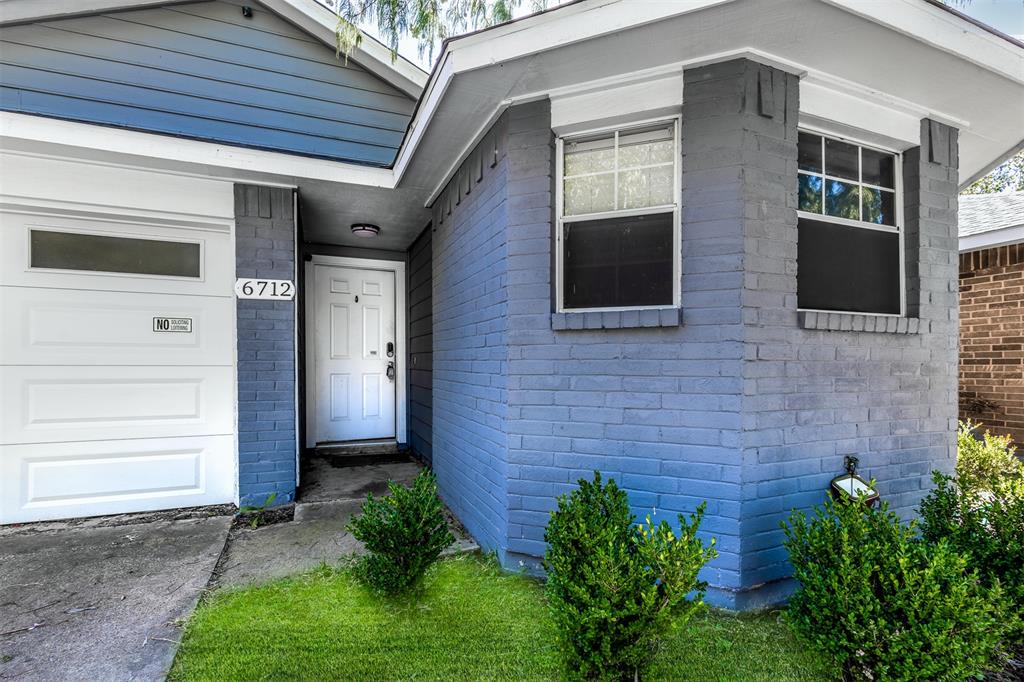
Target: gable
(204, 71)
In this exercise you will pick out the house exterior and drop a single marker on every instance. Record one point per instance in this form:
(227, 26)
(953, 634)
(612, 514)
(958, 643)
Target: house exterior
(992, 311)
(706, 247)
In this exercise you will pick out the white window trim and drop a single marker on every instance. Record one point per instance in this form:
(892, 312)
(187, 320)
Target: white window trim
(898, 228)
(674, 208)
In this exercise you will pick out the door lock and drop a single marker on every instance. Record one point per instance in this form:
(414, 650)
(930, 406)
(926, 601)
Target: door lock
(391, 371)
(391, 349)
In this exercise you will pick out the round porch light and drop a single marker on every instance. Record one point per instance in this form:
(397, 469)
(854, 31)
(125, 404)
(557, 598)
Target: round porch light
(365, 230)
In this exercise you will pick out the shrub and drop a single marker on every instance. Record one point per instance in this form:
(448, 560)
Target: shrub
(404, 533)
(616, 587)
(883, 605)
(980, 513)
(984, 463)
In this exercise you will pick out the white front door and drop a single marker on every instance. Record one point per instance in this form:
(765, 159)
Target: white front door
(355, 353)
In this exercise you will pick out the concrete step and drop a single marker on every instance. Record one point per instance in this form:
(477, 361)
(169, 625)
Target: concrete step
(361, 453)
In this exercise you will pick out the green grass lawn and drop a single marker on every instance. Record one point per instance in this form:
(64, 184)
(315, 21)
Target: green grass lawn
(473, 622)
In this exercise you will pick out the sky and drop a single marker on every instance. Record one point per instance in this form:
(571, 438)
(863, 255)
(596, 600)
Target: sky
(1005, 15)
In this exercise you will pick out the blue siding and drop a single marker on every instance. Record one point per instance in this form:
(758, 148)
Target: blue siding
(204, 71)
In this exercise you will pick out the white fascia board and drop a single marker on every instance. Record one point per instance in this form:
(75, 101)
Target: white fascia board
(944, 31)
(319, 21)
(71, 134)
(988, 240)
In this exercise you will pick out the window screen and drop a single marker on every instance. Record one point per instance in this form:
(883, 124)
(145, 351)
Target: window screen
(618, 262)
(102, 253)
(619, 216)
(847, 268)
(849, 238)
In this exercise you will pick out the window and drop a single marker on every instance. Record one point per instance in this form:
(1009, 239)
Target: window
(850, 250)
(103, 253)
(618, 234)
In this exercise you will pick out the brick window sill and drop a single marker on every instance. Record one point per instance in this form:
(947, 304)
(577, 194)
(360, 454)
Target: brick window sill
(619, 319)
(852, 322)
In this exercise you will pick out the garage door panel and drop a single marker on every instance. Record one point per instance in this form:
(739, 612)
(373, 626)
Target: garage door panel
(63, 480)
(113, 328)
(54, 404)
(215, 248)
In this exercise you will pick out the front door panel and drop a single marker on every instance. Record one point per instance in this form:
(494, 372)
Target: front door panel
(355, 322)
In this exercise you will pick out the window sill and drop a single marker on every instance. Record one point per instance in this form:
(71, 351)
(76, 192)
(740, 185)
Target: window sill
(616, 319)
(853, 322)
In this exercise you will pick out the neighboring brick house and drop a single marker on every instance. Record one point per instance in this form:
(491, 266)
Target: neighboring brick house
(707, 247)
(992, 311)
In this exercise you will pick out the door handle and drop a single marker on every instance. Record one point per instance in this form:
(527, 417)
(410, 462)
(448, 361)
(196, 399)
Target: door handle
(391, 349)
(391, 371)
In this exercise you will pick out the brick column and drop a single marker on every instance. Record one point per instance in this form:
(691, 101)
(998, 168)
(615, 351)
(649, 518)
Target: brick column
(265, 247)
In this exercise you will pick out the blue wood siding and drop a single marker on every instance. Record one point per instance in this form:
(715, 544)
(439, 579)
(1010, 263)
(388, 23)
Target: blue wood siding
(203, 71)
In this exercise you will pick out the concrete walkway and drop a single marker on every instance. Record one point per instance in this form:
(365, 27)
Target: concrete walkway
(85, 601)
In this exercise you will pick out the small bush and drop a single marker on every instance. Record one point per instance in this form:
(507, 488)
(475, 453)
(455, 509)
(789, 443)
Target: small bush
(883, 605)
(985, 463)
(980, 513)
(616, 587)
(404, 533)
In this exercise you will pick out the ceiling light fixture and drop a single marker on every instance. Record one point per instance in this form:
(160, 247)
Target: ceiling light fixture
(365, 230)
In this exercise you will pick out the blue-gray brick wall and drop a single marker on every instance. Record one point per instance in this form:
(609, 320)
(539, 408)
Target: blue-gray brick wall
(470, 283)
(421, 346)
(265, 248)
(203, 70)
(739, 404)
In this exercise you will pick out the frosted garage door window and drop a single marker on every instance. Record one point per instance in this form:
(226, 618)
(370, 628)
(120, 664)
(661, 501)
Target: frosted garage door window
(102, 253)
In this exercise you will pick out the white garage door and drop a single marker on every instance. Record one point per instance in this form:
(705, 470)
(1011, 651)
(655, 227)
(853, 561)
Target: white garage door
(117, 340)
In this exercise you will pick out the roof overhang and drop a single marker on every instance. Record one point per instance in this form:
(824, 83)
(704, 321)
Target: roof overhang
(898, 60)
(308, 15)
(992, 238)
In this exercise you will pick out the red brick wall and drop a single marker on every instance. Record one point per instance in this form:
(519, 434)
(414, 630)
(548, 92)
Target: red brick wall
(992, 338)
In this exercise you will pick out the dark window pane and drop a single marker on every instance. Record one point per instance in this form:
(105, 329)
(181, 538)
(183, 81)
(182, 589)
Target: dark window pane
(810, 193)
(850, 269)
(618, 262)
(878, 168)
(842, 200)
(100, 253)
(879, 206)
(841, 159)
(809, 155)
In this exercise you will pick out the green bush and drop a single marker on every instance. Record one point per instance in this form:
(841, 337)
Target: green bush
(982, 464)
(616, 587)
(881, 604)
(404, 533)
(980, 513)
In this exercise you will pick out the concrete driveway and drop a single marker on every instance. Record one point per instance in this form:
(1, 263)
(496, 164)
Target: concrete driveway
(88, 601)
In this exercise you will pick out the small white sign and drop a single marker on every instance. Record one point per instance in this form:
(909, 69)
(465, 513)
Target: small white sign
(173, 324)
(265, 289)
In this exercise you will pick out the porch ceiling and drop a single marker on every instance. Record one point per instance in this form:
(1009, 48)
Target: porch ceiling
(328, 210)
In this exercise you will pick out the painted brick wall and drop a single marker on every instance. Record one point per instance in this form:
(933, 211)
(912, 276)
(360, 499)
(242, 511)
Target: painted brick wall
(470, 343)
(992, 339)
(265, 247)
(421, 346)
(656, 408)
(737, 404)
(812, 397)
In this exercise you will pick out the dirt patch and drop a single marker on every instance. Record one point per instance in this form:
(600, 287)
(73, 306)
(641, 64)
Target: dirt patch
(266, 517)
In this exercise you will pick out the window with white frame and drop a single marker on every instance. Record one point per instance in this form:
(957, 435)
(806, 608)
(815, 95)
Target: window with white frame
(618, 218)
(850, 241)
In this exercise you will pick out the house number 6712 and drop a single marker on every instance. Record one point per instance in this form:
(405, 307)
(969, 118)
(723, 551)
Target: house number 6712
(267, 289)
